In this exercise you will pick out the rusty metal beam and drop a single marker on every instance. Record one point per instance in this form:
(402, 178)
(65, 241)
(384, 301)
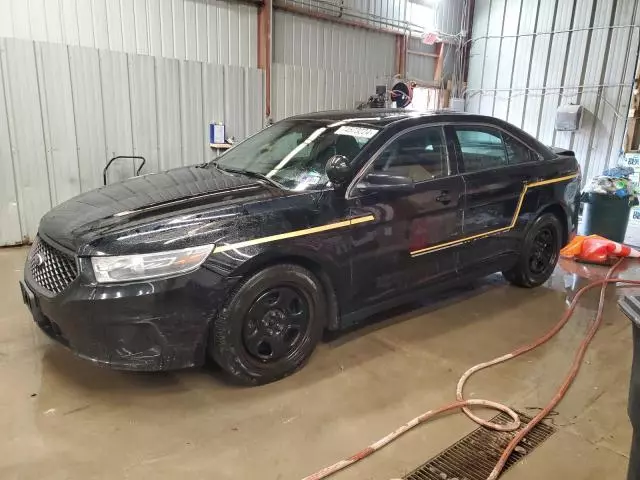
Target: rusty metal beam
(401, 55)
(265, 19)
(422, 54)
(466, 46)
(437, 75)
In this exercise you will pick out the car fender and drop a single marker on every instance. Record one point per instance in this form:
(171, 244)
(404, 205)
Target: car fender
(334, 278)
(555, 208)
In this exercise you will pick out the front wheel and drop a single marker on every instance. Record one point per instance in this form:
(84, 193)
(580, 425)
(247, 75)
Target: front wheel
(270, 326)
(539, 254)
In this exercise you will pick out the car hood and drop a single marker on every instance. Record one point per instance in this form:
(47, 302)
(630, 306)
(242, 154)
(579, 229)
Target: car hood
(147, 202)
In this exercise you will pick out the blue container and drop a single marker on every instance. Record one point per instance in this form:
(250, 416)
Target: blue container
(216, 133)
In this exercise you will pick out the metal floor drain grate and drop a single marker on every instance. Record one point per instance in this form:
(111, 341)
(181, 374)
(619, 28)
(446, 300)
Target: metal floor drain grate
(474, 457)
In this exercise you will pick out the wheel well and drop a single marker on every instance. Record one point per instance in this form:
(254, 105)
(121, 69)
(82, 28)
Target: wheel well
(561, 215)
(317, 269)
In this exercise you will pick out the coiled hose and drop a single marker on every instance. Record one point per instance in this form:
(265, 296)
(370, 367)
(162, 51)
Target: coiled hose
(463, 404)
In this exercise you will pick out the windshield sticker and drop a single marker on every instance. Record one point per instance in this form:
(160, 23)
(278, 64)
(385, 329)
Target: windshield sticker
(360, 132)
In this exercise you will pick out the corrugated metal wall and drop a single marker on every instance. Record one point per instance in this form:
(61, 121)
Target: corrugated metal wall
(449, 21)
(323, 45)
(449, 14)
(387, 13)
(530, 56)
(319, 65)
(214, 31)
(84, 80)
(378, 13)
(299, 90)
(420, 67)
(65, 110)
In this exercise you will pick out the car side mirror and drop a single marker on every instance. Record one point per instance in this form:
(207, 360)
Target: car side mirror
(384, 182)
(338, 170)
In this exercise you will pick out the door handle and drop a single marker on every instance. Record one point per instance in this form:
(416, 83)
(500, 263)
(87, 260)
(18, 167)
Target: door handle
(444, 197)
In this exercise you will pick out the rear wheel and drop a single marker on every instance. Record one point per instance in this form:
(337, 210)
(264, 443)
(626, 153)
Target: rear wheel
(270, 326)
(539, 254)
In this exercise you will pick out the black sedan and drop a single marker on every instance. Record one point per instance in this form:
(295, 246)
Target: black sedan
(314, 223)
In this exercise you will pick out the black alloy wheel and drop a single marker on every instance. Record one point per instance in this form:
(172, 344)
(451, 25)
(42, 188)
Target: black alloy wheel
(276, 323)
(543, 251)
(270, 325)
(539, 253)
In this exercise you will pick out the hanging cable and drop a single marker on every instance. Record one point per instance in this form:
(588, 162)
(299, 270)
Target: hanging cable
(463, 404)
(553, 32)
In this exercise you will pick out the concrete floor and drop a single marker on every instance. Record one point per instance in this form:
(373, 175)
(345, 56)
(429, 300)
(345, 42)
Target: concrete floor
(62, 418)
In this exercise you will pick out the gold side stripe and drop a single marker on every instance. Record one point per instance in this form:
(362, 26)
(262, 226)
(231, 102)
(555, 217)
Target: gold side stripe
(295, 233)
(370, 218)
(452, 243)
(367, 218)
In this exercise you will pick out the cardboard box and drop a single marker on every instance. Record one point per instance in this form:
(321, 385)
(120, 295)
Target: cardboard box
(634, 217)
(631, 160)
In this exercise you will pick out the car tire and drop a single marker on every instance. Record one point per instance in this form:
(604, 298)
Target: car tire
(270, 325)
(539, 255)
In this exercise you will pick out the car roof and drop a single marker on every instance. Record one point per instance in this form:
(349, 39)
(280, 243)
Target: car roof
(385, 116)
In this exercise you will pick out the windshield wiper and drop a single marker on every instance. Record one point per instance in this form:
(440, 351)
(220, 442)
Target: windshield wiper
(248, 173)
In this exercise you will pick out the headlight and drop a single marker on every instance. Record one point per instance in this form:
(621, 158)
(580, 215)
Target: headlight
(150, 265)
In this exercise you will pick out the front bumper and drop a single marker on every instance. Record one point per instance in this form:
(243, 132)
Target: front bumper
(146, 326)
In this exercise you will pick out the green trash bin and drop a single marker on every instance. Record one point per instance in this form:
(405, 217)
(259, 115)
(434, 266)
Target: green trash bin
(606, 215)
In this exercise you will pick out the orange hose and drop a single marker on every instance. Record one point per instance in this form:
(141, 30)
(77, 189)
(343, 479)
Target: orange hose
(463, 404)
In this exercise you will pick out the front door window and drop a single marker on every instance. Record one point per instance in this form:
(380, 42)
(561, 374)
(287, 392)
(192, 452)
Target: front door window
(420, 155)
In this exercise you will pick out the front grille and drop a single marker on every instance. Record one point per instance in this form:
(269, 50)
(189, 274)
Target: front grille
(50, 268)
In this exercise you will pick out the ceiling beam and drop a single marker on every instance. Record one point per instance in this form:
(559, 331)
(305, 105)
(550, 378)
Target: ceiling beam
(331, 18)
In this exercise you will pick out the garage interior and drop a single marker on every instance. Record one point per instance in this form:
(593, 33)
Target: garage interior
(84, 81)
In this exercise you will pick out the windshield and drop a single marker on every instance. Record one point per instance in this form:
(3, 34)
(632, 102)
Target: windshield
(294, 153)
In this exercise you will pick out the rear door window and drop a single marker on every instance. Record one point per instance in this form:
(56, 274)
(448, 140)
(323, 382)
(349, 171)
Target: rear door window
(518, 152)
(482, 148)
